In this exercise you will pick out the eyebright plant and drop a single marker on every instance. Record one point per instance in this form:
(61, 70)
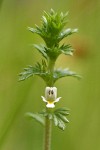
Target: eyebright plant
(52, 31)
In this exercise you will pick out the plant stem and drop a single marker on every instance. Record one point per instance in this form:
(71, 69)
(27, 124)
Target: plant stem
(48, 126)
(48, 122)
(51, 64)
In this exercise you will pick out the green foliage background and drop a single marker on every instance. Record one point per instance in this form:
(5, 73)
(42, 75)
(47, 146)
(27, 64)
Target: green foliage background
(17, 98)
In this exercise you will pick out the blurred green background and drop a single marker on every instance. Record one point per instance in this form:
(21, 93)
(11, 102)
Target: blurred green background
(82, 97)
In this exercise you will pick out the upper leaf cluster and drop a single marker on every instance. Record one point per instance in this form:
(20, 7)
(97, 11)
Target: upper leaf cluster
(52, 32)
(52, 25)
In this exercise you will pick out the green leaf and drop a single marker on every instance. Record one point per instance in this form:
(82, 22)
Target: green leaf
(36, 116)
(66, 33)
(41, 49)
(61, 124)
(44, 19)
(34, 30)
(59, 73)
(28, 72)
(66, 49)
(63, 111)
(59, 117)
(38, 69)
(62, 117)
(55, 119)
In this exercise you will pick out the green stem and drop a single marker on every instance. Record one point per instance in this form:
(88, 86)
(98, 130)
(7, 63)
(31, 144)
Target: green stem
(48, 127)
(48, 122)
(51, 64)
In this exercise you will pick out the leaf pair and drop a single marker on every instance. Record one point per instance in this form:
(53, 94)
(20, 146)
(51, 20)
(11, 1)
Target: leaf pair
(54, 52)
(58, 117)
(42, 71)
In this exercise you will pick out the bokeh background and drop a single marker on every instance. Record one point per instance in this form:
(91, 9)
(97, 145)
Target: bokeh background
(17, 98)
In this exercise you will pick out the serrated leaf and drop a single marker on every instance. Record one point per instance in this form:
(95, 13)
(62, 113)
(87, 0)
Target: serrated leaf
(38, 69)
(62, 117)
(59, 73)
(55, 119)
(28, 72)
(41, 49)
(44, 20)
(33, 30)
(61, 124)
(58, 122)
(66, 33)
(63, 111)
(67, 49)
(59, 117)
(36, 116)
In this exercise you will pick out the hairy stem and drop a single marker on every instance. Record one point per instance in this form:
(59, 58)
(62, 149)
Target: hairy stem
(48, 126)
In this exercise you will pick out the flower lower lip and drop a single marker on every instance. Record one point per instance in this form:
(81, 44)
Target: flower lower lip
(50, 105)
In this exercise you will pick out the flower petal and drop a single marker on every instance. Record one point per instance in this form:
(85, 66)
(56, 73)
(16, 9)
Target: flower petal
(50, 105)
(47, 90)
(55, 91)
(43, 98)
(57, 99)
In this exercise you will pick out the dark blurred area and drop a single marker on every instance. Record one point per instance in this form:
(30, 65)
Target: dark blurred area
(17, 98)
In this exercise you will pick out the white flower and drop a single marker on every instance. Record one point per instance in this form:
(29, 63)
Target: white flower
(50, 97)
